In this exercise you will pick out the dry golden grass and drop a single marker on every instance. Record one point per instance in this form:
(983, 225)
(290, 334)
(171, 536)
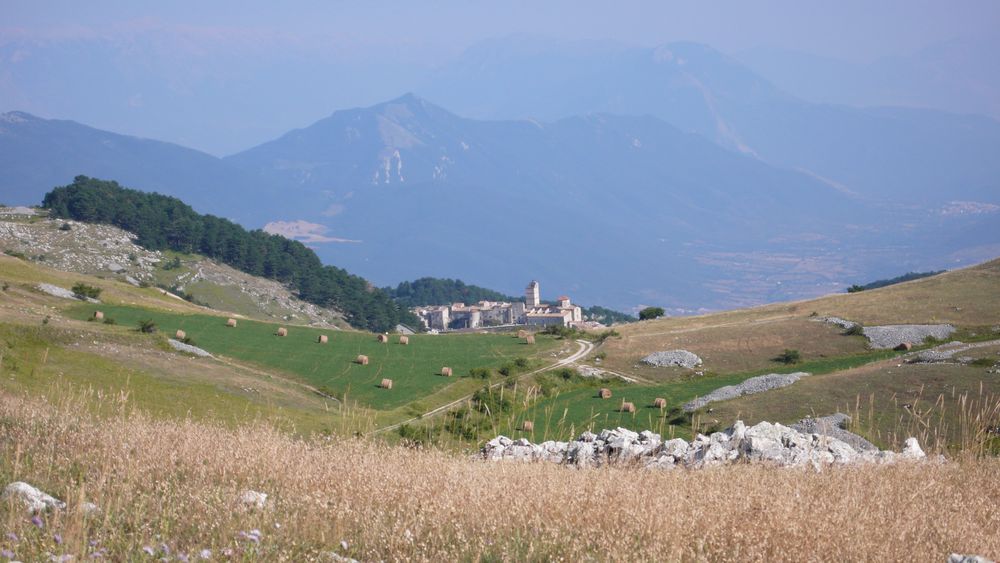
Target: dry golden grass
(729, 345)
(746, 339)
(176, 483)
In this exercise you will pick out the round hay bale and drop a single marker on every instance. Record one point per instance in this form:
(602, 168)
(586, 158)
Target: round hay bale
(180, 334)
(231, 323)
(659, 403)
(530, 339)
(904, 347)
(628, 407)
(362, 359)
(282, 331)
(604, 393)
(98, 315)
(322, 339)
(383, 338)
(528, 426)
(446, 371)
(404, 340)
(386, 384)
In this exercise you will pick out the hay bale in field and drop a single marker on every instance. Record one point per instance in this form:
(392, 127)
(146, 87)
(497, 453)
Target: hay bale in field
(659, 403)
(322, 339)
(231, 323)
(282, 331)
(383, 338)
(530, 339)
(604, 393)
(627, 407)
(404, 340)
(904, 347)
(362, 359)
(528, 426)
(180, 334)
(446, 371)
(98, 315)
(386, 384)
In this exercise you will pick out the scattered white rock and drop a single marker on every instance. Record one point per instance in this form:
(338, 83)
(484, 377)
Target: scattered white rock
(669, 358)
(89, 508)
(253, 498)
(751, 386)
(182, 347)
(890, 336)
(765, 442)
(33, 499)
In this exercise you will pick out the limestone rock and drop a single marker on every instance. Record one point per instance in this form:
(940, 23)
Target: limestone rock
(253, 499)
(33, 499)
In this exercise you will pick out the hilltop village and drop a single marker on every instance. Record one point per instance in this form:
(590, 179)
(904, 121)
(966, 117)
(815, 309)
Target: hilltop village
(530, 312)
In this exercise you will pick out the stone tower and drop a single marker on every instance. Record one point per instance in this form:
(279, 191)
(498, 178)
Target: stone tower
(532, 295)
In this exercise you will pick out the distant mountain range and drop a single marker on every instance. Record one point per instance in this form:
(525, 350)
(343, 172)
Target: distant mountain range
(673, 177)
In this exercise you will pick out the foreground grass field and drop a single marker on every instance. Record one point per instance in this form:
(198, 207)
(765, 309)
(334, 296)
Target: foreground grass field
(174, 487)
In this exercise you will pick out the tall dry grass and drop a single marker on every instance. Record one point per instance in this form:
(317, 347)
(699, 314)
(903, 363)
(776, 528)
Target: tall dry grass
(176, 484)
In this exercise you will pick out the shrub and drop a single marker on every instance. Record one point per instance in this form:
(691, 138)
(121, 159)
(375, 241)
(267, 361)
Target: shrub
(651, 313)
(789, 356)
(109, 321)
(856, 330)
(83, 290)
(65, 227)
(480, 373)
(146, 326)
(6, 286)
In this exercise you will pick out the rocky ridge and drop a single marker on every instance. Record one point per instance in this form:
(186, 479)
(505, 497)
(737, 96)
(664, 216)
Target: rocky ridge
(766, 443)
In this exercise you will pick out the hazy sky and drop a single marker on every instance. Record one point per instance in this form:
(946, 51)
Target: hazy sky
(855, 29)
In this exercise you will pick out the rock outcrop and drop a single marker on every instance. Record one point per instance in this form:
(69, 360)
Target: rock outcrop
(765, 442)
(182, 347)
(672, 358)
(751, 386)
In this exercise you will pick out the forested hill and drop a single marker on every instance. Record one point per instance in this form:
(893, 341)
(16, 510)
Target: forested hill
(438, 291)
(161, 222)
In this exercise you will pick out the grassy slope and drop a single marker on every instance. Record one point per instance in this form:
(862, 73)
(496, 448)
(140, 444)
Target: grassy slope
(173, 384)
(736, 345)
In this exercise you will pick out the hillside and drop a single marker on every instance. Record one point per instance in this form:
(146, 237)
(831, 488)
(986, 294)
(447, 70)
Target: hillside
(79, 395)
(111, 253)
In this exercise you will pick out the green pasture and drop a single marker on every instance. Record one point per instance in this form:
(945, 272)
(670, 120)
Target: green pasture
(414, 368)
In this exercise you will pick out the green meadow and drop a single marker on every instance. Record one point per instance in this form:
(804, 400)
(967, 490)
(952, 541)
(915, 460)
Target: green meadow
(415, 369)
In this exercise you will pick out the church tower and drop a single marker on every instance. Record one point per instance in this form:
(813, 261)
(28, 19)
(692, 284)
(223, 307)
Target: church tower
(532, 295)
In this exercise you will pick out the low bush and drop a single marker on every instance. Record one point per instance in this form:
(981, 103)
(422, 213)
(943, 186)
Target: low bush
(83, 290)
(789, 356)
